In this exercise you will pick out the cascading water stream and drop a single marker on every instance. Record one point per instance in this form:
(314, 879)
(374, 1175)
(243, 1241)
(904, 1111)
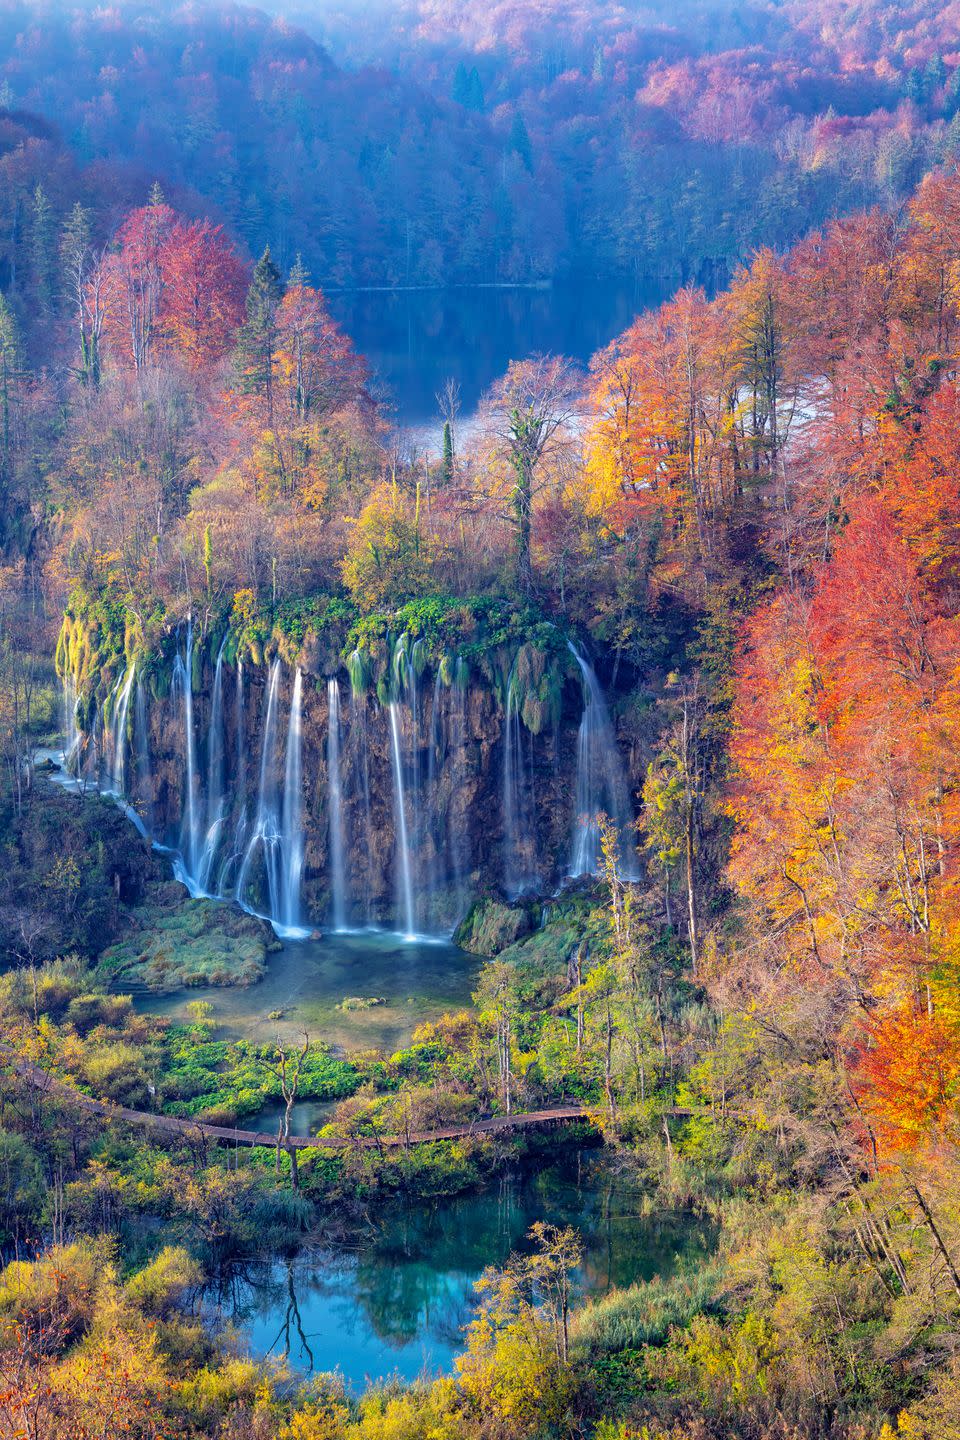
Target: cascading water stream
(359, 728)
(291, 838)
(118, 739)
(277, 836)
(71, 730)
(405, 887)
(141, 740)
(266, 826)
(215, 797)
(518, 837)
(457, 833)
(435, 833)
(229, 877)
(601, 784)
(338, 874)
(182, 692)
(361, 710)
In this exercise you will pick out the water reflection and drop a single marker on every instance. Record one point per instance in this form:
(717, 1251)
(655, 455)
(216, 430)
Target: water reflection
(416, 339)
(398, 1304)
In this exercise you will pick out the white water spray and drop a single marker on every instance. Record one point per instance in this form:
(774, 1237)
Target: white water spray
(601, 784)
(338, 878)
(405, 887)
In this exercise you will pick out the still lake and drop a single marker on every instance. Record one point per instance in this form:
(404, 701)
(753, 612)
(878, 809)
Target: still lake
(307, 982)
(414, 340)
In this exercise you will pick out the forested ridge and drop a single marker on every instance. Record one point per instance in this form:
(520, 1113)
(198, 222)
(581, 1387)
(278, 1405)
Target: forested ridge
(426, 145)
(747, 507)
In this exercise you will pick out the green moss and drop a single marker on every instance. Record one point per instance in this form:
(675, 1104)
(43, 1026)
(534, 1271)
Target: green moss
(491, 927)
(546, 949)
(177, 941)
(479, 636)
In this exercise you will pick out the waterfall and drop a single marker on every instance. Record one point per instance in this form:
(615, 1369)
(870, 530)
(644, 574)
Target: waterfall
(141, 732)
(228, 880)
(71, 730)
(292, 833)
(405, 888)
(215, 796)
(407, 664)
(435, 835)
(358, 717)
(266, 825)
(220, 850)
(277, 836)
(118, 739)
(601, 784)
(182, 691)
(519, 842)
(338, 878)
(457, 832)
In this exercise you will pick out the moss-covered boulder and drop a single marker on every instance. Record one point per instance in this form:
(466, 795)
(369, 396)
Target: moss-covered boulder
(491, 926)
(548, 950)
(175, 941)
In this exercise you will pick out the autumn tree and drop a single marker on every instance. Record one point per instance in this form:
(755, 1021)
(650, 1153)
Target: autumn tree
(132, 284)
(204, 282)
(529, 414)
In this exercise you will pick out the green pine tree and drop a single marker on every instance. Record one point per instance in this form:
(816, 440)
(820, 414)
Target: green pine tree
(475, 98)
(914, 87)
(257, 341)
(461, 86)
(953, 92)
(9, 373)
(520, 140)
(299, 276)
(934, 76)
(43, 263)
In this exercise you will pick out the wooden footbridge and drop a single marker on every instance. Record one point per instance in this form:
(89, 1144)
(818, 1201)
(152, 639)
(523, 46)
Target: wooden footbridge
(195, 1130)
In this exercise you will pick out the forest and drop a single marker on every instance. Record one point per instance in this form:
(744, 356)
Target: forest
(583, 785)
(504, 143)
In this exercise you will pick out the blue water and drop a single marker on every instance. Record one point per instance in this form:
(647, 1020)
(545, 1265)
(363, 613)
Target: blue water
(398, 1304)
(415, 340)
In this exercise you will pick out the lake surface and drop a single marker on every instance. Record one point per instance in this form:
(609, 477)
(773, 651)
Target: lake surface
(307, 980)
(415, 340)
(397, 1305)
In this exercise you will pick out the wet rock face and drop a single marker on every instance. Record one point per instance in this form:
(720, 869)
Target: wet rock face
(448, 751)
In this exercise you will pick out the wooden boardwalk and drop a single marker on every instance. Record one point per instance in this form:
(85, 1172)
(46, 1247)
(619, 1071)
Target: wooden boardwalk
(227, 1135)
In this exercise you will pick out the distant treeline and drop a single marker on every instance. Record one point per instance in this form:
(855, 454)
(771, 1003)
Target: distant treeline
(509, 142)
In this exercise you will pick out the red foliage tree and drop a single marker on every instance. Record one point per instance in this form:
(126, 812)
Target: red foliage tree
(204, 282)
(170, 286)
